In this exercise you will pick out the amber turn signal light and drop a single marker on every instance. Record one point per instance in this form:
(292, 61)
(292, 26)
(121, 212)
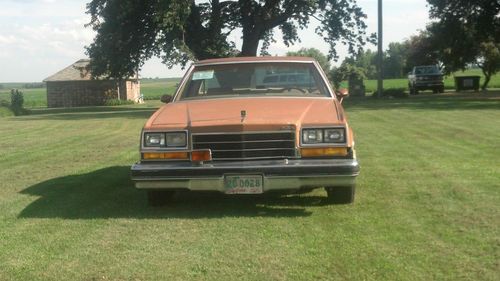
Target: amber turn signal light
(323, 151)
(201, 155)
(165, 155)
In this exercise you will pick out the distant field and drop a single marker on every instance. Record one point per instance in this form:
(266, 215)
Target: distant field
(155, 88)
(32, 97)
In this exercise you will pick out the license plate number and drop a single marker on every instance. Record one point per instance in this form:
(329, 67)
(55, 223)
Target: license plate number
(243, 184)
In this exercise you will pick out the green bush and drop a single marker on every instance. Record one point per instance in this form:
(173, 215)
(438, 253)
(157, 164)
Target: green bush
(398, 93)
(113, 102)
(17, 102)
(152, 97)
(16, 99)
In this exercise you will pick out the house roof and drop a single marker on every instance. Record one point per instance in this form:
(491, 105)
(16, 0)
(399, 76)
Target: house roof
(76, 72)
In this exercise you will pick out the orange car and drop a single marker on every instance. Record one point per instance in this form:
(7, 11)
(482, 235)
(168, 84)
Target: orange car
(249, 126)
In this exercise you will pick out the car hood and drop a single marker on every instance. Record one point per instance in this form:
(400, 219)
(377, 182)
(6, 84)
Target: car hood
(252, 114)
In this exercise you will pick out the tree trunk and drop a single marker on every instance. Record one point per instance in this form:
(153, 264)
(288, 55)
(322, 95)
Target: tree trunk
(487, 77)
(250, 44)
(250, 23)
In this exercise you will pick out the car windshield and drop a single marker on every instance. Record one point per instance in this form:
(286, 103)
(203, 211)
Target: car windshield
(254, 79)
(431, 69)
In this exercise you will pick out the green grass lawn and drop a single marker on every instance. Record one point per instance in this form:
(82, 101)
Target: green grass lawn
(427, 205)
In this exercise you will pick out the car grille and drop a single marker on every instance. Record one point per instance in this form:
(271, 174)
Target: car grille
(247, 146)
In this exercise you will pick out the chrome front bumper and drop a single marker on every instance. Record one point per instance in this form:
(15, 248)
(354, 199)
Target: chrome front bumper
(277, 174)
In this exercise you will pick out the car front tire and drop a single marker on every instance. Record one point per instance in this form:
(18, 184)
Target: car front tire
(157, 198)
(340, 194)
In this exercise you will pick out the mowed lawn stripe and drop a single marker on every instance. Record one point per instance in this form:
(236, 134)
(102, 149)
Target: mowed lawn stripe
(87, 139)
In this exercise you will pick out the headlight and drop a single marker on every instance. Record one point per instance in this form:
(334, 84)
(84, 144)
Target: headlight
(312, 136)
(154, 139)
(177, 139)
(330, 135)
(334, 135)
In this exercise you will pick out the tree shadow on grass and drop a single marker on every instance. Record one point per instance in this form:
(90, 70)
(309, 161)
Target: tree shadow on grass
(91, 113)
(448, 101)
(109, 193)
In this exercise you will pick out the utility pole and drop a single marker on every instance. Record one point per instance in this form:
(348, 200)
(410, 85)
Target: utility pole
(380, 82)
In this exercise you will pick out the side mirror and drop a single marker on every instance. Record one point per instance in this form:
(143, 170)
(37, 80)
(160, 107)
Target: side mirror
(166, 98)
(342, 93)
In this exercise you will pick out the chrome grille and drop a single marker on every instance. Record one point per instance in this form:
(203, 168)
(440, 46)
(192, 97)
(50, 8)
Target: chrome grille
(247, 146)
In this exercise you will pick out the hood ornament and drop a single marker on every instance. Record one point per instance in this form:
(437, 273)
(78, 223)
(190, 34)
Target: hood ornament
(243, 115)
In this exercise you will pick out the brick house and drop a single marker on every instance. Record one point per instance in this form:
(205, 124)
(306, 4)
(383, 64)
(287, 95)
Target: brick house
(73, 86)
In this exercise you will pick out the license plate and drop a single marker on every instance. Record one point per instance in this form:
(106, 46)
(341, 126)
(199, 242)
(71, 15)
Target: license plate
(243, 184)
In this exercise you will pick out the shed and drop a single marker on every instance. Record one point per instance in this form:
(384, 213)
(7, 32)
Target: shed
(73, 86)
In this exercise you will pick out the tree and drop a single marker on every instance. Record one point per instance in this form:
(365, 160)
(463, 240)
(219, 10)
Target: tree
(347, 71)
(395, 60)
(321, 58)
(489, 60)
(466, 32)
(131, 31)
(420, 50)
(367, 61)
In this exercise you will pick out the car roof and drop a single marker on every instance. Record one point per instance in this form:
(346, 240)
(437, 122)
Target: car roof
(254, 59)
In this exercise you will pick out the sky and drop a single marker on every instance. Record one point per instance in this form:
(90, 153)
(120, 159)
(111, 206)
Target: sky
(40, 37)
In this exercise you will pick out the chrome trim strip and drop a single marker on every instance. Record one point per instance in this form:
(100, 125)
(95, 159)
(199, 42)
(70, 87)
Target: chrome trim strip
(243, 133)
(255, 97)
(257, 164)
(258, 158)
(255, 141)
(218, 177)
(183, 82)
(253, 149)
(250, 61)
(325, 79)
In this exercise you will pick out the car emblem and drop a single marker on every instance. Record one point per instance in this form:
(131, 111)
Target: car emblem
(243, 115)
